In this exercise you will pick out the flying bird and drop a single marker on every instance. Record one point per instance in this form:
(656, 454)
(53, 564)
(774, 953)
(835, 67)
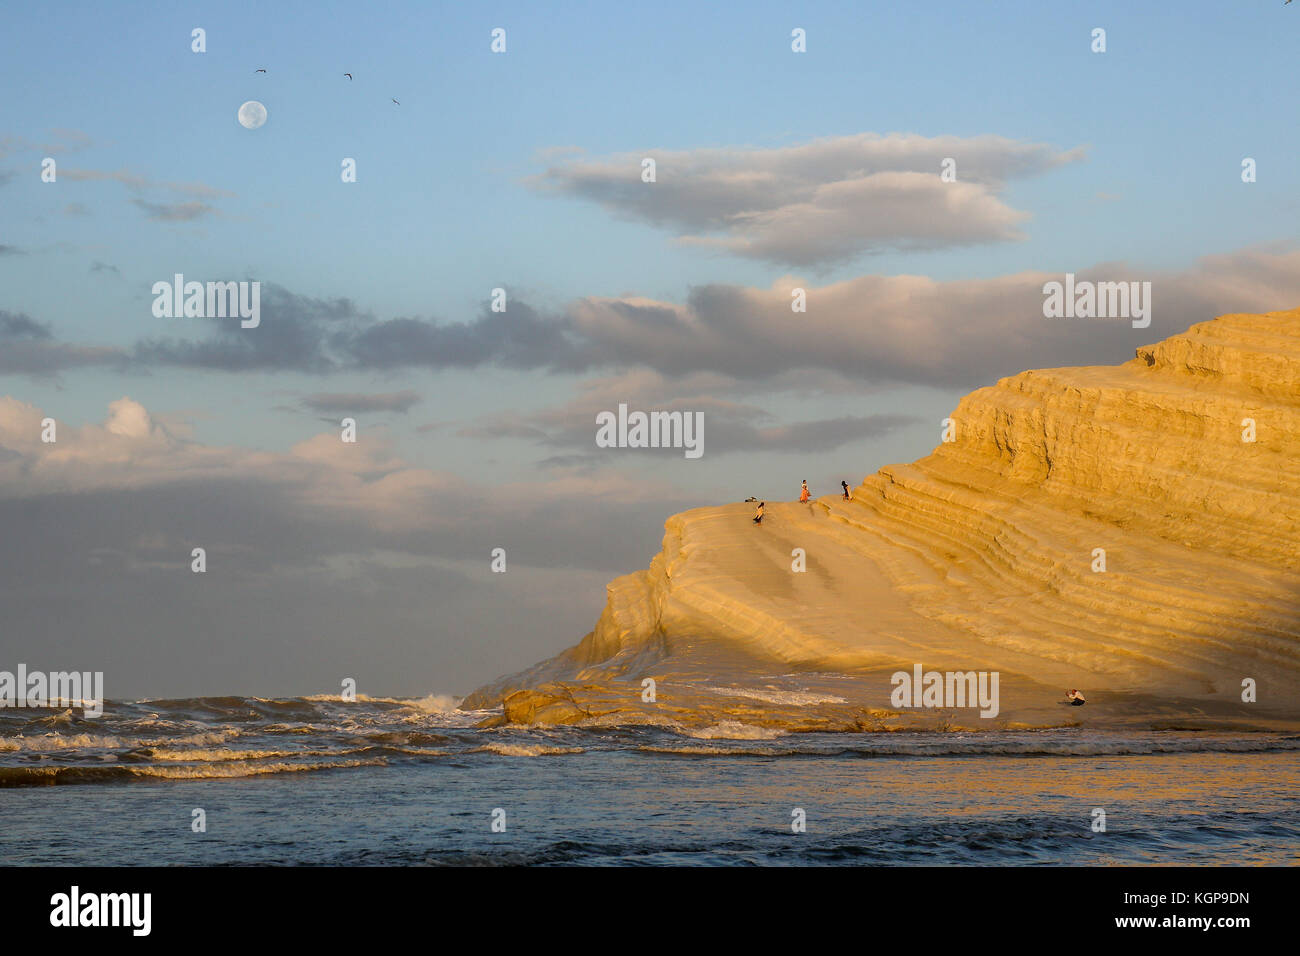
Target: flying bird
(395, 101)
(348, 75)
(259, 71)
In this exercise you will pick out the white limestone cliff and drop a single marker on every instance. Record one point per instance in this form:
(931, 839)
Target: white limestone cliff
(982, 556)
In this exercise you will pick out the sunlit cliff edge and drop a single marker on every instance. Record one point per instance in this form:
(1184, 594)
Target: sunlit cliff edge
(983, 556)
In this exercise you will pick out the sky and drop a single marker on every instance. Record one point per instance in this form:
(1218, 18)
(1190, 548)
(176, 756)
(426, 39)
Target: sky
(522, 170)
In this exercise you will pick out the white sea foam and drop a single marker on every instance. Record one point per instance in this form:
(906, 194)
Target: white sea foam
(528, 750)
(442, 708)
(246, 769)
(798, 698)
(735, 730)
(204, 755)
(54, 743)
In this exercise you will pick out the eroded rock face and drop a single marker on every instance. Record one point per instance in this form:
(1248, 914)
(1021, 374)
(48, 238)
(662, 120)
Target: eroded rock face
(988, 555)
(535, 707)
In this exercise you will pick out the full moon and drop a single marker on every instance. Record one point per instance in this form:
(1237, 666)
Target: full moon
(252, 115)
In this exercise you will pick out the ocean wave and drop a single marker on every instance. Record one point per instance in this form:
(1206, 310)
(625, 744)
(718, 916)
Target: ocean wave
(199, 755)
(290, 729)
(713, 750)
(66, 718)
(441, 708)
(735, 730)
(59, 743)
(429, 704)
(234, 708)
(50, 776)
(526, 750)
(798, 698)
(631, 722)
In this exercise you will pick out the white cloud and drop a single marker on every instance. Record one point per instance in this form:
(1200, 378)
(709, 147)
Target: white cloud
(906, 328)
(822, 202)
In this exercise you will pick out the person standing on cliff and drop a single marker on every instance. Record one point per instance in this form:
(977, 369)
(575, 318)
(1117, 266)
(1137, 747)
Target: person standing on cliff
(845, 486)
(803, 492)
(758, 515)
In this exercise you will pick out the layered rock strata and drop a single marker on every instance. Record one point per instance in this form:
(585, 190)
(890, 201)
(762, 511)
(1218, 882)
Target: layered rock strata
(988, 555)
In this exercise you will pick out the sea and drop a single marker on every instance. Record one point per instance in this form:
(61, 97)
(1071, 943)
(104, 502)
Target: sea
(239, 781)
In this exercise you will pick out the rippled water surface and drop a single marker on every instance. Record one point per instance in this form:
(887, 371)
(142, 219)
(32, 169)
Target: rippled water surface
(318, 781)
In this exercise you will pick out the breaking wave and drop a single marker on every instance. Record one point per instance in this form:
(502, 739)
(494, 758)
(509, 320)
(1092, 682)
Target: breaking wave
(798, 698)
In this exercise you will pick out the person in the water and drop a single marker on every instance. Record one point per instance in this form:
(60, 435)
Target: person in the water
(1075, 698)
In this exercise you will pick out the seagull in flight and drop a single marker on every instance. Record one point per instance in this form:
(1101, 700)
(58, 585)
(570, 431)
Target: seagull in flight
(348, 75)
(259, 71)
(395, 101)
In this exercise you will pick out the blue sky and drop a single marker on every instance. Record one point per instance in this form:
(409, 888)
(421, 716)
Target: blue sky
(447, 206)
